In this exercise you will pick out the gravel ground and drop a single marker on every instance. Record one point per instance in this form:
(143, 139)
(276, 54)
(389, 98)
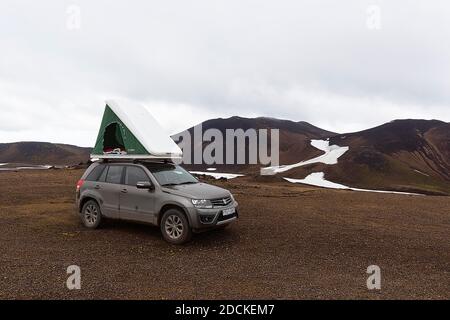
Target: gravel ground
(291, 242)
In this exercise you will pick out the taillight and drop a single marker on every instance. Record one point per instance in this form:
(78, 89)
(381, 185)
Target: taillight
(80, 184)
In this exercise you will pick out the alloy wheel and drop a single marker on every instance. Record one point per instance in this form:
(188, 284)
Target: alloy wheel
(91, 214)
(174, 227)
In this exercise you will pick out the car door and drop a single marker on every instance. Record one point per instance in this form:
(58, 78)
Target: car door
(109, 187)
(136, 204)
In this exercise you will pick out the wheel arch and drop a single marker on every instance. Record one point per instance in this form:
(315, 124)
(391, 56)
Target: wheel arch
(86, 199)
(169, 206)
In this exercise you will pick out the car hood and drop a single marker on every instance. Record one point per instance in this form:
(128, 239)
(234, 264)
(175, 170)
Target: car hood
(198, 191)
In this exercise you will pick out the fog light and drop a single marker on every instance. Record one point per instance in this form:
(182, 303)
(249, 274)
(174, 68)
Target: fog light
(207, 218)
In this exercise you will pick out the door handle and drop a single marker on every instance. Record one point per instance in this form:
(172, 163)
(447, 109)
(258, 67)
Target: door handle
(124, 191)
(97, 187)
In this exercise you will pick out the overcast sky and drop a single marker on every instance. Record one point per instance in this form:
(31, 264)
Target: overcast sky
(341, 65)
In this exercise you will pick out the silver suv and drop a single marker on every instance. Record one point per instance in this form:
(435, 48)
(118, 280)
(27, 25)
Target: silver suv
(158, 193)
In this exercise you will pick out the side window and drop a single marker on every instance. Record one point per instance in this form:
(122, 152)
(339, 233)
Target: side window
(135, 175)
(95, 173)
(114, 174)
(102, 178)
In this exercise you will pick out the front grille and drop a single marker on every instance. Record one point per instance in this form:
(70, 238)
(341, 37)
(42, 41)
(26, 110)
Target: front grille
(222, 202)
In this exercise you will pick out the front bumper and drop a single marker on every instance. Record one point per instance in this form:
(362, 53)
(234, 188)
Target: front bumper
(210, 218)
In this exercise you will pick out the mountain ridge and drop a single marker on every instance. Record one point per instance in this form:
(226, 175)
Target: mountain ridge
(400, 155)
(42, 153)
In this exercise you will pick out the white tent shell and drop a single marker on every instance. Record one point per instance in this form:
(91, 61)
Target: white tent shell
(138, 119)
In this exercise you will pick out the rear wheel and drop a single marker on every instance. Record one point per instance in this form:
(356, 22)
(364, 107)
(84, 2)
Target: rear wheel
(91, 216)
(175, 227)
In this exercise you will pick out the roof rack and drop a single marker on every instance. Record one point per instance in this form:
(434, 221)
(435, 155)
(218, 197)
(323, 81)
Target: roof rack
(132, 157)
(130, 160)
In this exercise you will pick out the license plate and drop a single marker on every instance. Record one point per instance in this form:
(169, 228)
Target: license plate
(227, 212)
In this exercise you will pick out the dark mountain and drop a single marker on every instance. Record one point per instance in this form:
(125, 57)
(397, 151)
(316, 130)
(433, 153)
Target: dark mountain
(43, 153)
(294, 138)
(301, 127)
(402, 155)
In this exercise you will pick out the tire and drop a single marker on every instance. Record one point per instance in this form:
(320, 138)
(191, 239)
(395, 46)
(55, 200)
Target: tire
(175, 227)
(91, 215)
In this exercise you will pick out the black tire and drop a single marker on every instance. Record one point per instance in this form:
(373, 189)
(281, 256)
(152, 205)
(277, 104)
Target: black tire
(175, 227)
(91, 215)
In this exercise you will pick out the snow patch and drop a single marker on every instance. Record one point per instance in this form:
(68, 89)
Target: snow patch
(331, 156)
(217, 175)
(318, 179)
(37, 167)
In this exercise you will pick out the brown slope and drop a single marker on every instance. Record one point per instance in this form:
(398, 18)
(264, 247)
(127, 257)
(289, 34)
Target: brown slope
(403, 155)
(43, 153)
(295, 139)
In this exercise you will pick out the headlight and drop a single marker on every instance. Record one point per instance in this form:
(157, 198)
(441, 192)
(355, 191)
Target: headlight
(202, 204)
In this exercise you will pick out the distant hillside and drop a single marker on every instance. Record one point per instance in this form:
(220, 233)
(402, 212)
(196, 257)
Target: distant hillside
(402, 155)
(43, 153)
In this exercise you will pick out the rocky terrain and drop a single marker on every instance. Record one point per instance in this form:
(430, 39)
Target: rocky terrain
(291, 242)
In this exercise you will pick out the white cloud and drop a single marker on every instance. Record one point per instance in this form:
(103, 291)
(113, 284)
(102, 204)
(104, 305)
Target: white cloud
(190, 61)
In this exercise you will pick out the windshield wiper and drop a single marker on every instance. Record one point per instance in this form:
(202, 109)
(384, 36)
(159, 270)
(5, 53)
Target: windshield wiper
(178, 184)
(189, 182)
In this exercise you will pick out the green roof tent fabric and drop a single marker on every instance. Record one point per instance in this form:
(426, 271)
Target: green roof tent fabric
(128, 130)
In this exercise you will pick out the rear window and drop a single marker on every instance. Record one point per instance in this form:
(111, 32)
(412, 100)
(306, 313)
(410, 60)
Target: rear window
(95, 173)
(114, 174)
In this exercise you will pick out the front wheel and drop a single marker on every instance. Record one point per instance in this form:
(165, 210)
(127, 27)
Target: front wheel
(91, 216)
(175, 227)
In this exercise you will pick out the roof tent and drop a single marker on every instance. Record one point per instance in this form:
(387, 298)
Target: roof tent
(129, 131)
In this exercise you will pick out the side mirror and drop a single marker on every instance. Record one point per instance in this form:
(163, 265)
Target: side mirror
(145, 185)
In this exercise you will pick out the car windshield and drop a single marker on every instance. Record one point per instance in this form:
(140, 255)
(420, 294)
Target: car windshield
(170, 174)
